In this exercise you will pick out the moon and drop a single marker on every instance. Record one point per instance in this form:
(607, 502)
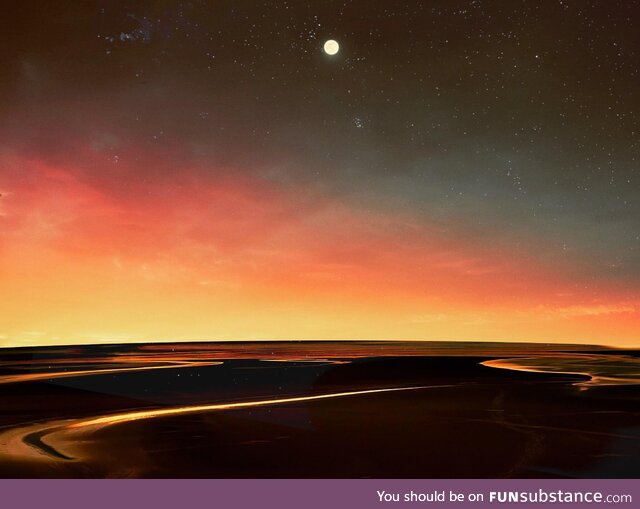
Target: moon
(331, 47)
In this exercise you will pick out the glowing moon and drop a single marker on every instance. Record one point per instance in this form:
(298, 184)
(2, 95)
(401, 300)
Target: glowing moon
(331, 47)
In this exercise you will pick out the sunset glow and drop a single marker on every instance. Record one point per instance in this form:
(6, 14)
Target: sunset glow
(157, 250)
(164, 178)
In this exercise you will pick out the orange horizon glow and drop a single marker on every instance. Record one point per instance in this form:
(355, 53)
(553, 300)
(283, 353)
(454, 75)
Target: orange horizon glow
(101, 257)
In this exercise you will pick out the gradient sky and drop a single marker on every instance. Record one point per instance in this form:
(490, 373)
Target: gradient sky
(203, 170)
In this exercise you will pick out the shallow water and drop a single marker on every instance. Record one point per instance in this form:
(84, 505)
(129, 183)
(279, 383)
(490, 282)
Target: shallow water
(319, 409)
(601, 369)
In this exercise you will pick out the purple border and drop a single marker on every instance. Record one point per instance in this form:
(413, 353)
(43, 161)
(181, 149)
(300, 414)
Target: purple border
(298, 494)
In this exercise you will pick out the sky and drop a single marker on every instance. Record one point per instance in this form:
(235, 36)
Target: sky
(459, 170)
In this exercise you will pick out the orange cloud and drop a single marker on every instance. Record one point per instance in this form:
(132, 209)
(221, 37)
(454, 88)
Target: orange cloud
(101, 249)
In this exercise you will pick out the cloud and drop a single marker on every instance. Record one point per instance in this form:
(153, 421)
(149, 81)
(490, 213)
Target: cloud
(596, 310)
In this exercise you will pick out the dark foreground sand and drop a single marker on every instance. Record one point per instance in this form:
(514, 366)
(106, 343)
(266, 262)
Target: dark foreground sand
(156, 412)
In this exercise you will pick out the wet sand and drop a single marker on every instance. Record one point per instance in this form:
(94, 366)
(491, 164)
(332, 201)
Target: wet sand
(320, 409)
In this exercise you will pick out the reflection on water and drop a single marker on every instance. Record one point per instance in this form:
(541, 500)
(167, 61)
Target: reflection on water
(319, 409)
(43, 439)
(601, 369)
(67, 369)
(51, 363)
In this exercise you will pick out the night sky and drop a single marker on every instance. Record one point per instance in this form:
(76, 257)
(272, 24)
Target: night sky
(204, 170)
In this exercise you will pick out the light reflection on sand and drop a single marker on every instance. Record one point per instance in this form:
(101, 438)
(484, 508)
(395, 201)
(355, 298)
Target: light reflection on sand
(150, 414)
(601, 369)
(50, 363)
(85, 442)
(66, 368)
(66, 439)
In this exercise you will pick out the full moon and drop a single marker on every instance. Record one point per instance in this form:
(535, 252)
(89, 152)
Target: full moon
(331, 47)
